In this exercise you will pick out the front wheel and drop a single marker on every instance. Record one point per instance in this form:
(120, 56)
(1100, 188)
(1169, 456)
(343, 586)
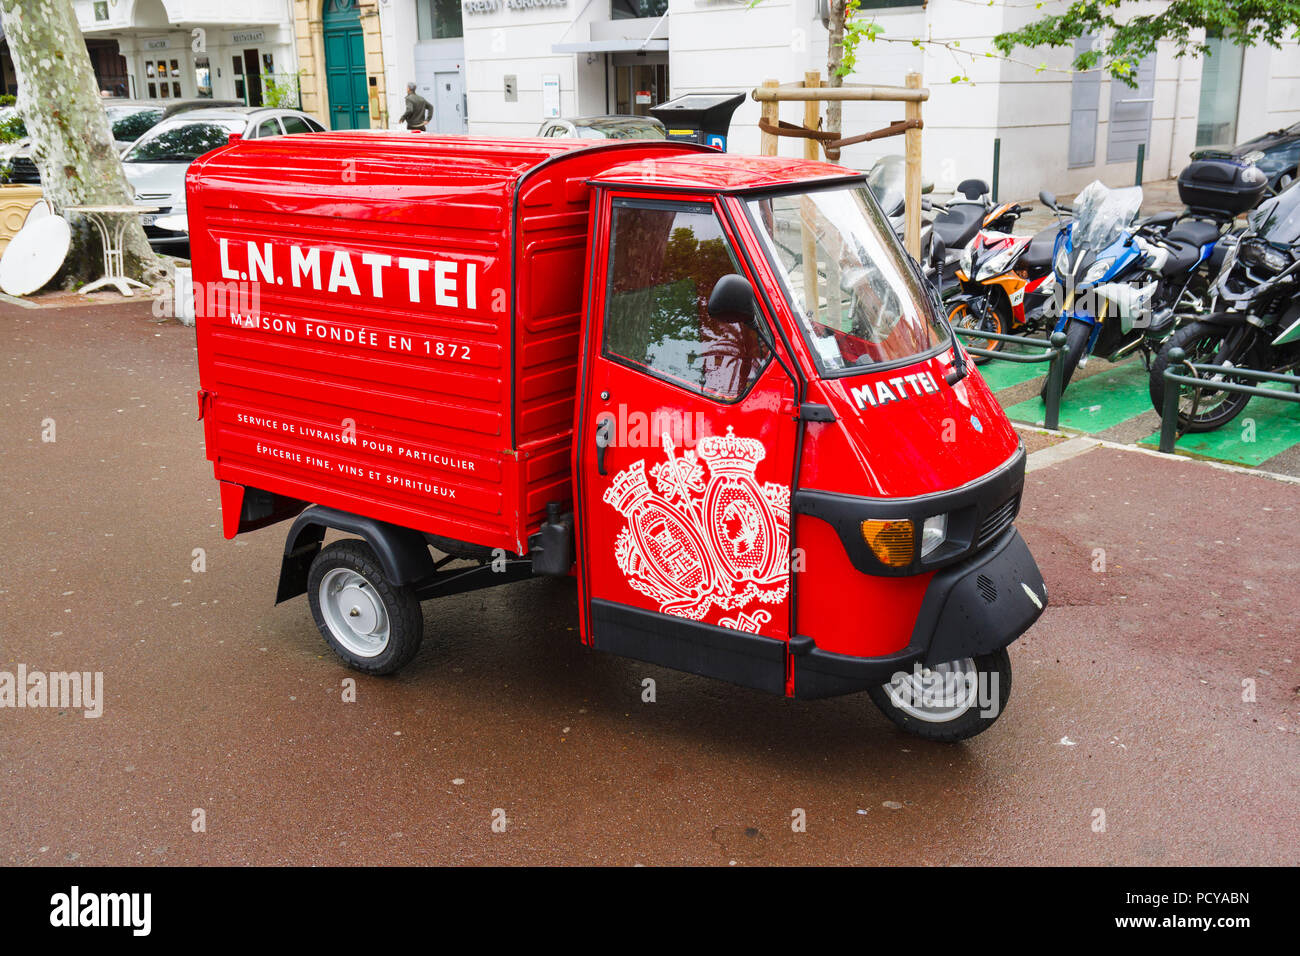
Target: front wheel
(970, 314)
(1077, 335)
(951, 701)
(1205, 409)
(372, 625)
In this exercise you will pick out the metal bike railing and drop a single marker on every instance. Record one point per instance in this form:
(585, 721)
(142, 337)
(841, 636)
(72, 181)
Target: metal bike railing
(1178, 359)
(1054, 349)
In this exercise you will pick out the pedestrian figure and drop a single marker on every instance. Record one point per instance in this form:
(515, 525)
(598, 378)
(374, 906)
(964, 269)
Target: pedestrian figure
(418, 111)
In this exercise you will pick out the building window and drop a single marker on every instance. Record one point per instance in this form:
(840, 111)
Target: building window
(438, 20)
(637, 9)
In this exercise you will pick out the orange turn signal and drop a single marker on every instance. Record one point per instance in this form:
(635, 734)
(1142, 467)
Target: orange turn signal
(892, 542)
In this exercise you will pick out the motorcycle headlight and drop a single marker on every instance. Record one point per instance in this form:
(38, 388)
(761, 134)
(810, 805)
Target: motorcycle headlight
(995, 266)
(933, 533)
(1263, 256)
(1062, 262)
(1097, 270)
(967, 258)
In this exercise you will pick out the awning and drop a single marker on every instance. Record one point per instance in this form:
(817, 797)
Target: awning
(642, 35)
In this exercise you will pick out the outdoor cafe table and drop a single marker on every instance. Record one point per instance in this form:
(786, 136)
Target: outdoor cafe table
(112, 222)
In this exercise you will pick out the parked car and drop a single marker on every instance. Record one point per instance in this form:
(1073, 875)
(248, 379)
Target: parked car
(1276, 153)
(129, 120)
(156, 163)
(604, 127)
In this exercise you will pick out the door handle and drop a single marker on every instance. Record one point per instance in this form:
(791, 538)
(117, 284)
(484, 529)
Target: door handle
(604, 430)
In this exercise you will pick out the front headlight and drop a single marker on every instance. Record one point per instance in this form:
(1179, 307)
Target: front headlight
(1062, 262)
(1097, 270)
(967, 258)
(933, 533)
(995, 266)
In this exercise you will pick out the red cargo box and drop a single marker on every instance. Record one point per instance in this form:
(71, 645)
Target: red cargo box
(389, 324)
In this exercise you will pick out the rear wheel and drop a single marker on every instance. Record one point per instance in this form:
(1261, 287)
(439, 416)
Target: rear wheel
(1076, 344)
(1205, 409)
(372, 625)
(950, 701)
(970, 314)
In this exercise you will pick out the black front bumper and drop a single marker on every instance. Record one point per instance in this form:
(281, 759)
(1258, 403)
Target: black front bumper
(973, 607)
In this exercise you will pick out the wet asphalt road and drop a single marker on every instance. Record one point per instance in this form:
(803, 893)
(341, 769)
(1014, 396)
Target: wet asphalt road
(1127, 695)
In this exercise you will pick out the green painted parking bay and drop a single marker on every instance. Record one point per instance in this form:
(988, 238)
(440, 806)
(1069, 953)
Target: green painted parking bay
(999, 374)
(1266, 428)
(1096, 403)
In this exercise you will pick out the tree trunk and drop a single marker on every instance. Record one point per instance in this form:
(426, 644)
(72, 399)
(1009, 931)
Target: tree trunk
(73, 148)
(835, 60)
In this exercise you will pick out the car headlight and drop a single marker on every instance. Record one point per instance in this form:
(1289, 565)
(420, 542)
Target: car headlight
(933, 533)
(1097, 270)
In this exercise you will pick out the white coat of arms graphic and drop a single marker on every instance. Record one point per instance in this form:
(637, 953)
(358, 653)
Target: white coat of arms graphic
(693, 544)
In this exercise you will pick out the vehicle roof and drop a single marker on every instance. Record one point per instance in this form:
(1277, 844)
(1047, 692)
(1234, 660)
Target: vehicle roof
(611, 118)
(229, 112)
(723, 171)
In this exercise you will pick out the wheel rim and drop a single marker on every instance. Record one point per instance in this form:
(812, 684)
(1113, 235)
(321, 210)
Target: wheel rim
(1211, 402)
(936, 694)
(963, 316)
(354, 612)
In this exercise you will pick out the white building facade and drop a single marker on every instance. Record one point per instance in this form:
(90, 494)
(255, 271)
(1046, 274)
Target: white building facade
(183, 49)
(501, 67)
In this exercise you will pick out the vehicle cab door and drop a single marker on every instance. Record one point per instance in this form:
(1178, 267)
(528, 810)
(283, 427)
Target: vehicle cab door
(684, 454)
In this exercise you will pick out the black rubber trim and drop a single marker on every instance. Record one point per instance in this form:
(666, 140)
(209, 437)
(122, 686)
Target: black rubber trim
(812, 412)
(966, 507)
(750, 660)
(402, 552)
(971, 608)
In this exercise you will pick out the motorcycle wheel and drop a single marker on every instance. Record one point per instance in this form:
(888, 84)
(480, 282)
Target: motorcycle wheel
(1076, 342)
(1203, 342)
(963, 316)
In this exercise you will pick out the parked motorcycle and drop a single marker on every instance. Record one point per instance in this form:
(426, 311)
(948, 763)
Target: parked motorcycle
(1006, 281)
(1254, 322)
(1124, 281)
(886, 179)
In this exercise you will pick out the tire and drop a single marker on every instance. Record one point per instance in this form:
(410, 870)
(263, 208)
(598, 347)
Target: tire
(1076, 342)
(962, 315)
(965, 717)
(1214, 409)
(371, 625)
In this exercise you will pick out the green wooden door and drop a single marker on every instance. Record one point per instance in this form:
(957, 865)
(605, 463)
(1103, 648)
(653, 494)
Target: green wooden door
(345, 65)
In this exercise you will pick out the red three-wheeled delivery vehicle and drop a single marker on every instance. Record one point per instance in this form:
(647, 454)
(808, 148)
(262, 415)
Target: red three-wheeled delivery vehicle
(714, 389)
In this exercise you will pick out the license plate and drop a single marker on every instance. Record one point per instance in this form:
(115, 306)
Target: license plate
(150, 218)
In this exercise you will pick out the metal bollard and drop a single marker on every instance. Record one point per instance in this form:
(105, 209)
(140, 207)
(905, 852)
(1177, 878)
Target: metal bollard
(1169, 413)
(997, 161)
(1141, 159)
(1055, 372)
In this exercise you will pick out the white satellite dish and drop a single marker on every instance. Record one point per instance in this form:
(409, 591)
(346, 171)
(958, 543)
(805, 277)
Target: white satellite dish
(39, 211)
(34, 255)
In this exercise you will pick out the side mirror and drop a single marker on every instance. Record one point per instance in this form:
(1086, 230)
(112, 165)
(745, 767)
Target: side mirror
(732, 299)
(1047, 199)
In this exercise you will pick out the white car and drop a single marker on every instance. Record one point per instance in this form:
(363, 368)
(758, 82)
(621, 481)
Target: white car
(156, 163)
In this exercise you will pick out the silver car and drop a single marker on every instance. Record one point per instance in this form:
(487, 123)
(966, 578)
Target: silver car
(156, 163)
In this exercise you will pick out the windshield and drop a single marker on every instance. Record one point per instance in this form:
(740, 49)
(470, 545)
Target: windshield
(132, 122)
(1278, 220)
(623, 129)
(1101, 215)
(886, 181)
(182, 142)
(859, 301)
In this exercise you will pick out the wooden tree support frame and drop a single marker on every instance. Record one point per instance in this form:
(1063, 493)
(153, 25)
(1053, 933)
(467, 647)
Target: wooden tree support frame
(812, 94)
